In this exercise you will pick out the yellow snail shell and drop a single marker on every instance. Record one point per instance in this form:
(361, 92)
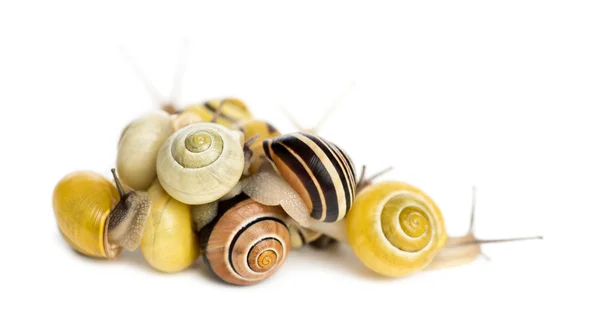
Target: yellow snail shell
(395, 229)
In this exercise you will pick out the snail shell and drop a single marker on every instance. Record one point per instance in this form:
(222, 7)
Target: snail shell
(247, 242)
(94, 218)
(319, 171)
(201, 162)
(264, 130)
(233, 111)
(300, 236)
(138, 148)
(395, 229)
(169, 243)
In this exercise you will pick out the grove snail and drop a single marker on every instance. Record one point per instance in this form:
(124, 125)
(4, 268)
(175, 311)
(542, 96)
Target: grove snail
(169, 243)
(247, 242)
(201, 162)
(138, 149)
(96, 218)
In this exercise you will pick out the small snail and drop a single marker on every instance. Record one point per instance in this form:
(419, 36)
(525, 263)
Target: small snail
(96, 218)
(201, 162)
(169, 243)
(395, 229)
(247, 242)
(232, 111)
(257, 131)
(138, 149)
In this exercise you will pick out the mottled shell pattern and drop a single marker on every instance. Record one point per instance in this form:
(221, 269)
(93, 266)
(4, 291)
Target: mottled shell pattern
(318, 170)
(201, 162)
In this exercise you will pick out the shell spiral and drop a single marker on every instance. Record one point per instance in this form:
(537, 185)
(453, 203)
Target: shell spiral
(200, 163)
(247, 243)
(318, 170)
(395, 228)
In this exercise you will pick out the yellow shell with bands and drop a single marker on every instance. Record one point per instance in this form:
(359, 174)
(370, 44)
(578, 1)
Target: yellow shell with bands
(233, 111)
(395, 229)
(169, 243)
(264, 130)
(82, 201)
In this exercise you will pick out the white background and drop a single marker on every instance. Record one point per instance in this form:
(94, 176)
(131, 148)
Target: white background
(501, 94)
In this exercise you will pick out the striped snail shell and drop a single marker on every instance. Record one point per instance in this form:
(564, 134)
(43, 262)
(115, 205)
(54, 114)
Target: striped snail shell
(201, 162)
(232, 112)
(318, 170)
(247, 242)
(395, 229)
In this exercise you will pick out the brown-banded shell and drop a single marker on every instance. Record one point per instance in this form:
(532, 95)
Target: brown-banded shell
(247, 242)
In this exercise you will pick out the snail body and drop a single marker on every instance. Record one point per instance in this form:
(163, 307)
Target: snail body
(247, 242)
(96, 218)
(201, 162)
(138, 149)
(169, 243)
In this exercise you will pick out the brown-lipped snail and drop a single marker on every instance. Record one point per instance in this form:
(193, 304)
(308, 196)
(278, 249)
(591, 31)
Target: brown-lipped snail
(201, 162)
(169, 243)
(138, 148)
(96, 218)
(319, 178)
(247, 242)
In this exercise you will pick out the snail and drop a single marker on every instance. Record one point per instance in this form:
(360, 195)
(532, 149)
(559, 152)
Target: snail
(138, 149)
(201, 163)
(465, 249)
(169, 243)
(233, 111)
(256, 131)
(247, 242)
(96, 218)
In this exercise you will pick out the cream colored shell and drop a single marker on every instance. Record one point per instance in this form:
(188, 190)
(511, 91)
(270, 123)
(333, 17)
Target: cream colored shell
(200, 163)
(138, 148)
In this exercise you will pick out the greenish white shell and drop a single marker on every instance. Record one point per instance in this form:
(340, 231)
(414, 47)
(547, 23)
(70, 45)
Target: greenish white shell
(138, 149)
(200, 163)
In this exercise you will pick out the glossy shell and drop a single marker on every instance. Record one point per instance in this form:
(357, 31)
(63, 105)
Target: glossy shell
(138, 149)
(234, 111)
(201, 162)
(169, 243)
(247, 243)
(319, 171)
(82, 201)
(395, 229)
(264, 130)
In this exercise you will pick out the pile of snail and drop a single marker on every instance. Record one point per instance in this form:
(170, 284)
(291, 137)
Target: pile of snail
(213, 182)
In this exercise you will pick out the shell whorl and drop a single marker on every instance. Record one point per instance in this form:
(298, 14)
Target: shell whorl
(200, 163)
(247, 243)
(395, 229)
(318, 170)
